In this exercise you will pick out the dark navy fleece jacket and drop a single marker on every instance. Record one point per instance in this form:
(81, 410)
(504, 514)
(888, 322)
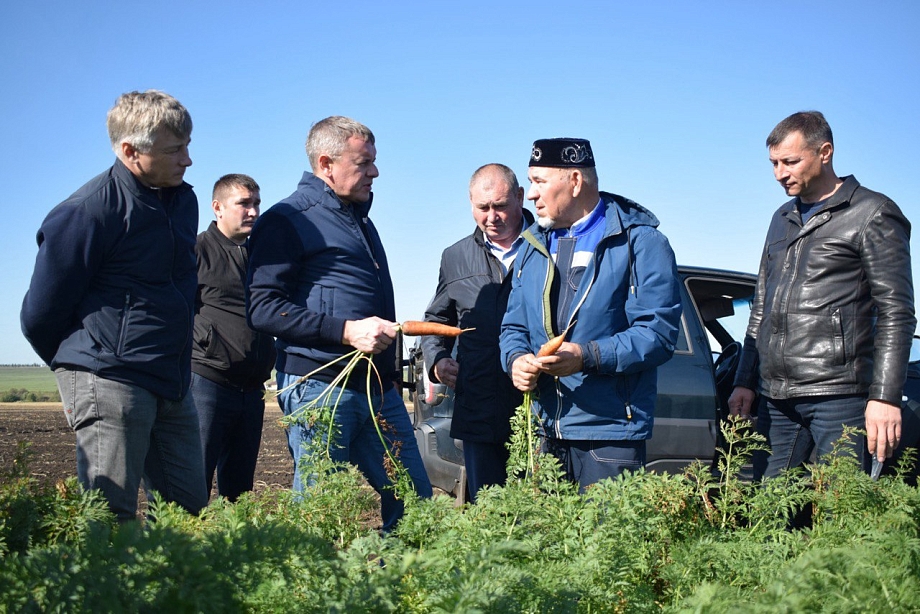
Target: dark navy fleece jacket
(315, 262)
(113, 290)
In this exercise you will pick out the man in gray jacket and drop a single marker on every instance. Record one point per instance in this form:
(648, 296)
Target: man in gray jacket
(833, 314)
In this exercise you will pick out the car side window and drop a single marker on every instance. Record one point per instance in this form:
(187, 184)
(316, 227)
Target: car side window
(724, 309)
(682, 345)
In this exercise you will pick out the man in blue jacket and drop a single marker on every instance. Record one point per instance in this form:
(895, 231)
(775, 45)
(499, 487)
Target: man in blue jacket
(319, 282)
(594, 264)
(110, 309)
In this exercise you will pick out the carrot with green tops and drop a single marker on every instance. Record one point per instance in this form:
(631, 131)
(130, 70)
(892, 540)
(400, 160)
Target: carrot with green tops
(552, 346)
(414, 328)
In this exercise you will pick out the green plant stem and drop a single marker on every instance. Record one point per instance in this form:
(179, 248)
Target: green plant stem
(370, 404)
(339, 383)
(528, 404)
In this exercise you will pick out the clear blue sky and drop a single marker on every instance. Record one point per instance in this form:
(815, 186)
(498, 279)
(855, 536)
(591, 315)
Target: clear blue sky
(676, 98)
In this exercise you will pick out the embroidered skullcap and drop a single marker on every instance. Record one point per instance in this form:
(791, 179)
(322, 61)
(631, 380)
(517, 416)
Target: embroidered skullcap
(562, 153)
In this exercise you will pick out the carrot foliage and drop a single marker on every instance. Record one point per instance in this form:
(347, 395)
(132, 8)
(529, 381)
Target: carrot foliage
(698, 541)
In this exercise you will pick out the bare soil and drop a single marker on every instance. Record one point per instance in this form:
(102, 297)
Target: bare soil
(53, 448)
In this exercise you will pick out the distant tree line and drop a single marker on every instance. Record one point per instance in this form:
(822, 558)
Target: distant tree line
(14, 395)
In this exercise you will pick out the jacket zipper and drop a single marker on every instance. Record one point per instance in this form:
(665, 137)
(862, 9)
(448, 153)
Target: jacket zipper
(790, 260)
(172, 268)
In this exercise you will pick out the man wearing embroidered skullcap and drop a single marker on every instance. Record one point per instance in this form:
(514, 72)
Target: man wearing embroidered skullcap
(595, 268)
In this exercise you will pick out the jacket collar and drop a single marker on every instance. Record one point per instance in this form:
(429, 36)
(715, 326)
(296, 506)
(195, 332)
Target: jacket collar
(842, 196)
(620, 213)
(214, 231)
(318, 192)
(139, 189)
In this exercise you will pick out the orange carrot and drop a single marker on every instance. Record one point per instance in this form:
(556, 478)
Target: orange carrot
(552, 346)
(415, 328)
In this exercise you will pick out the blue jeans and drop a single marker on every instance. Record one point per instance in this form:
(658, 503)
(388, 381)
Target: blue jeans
(486, 464)
(358, 442)
(230, 420)
(588, 462)
(796, 428)
(126, 433)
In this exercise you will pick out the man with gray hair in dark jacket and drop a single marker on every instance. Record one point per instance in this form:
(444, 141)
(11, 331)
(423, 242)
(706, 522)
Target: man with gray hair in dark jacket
(110, 309)
(473, 287)
(319, 282)
(829, 336)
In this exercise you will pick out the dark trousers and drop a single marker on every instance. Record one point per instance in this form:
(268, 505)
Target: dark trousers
(796, 428)
(485, 465)
(587, 462)
(230, 420)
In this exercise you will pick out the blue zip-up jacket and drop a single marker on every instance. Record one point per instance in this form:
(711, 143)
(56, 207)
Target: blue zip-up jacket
(627, 312)
(113, 290)
(315, 262)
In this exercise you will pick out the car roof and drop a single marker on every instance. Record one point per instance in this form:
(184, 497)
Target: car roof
(696, 271)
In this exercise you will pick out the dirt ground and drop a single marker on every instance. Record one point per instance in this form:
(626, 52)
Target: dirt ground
(54, 450)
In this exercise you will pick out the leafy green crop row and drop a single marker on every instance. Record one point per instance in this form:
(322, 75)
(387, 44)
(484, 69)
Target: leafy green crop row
(642, 543)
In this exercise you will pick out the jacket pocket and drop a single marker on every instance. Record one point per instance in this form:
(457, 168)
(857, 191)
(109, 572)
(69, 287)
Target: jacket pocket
(123, 325)
(321, 299)
(839, 342)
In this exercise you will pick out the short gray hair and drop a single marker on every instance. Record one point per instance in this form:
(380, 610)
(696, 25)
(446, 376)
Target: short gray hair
(137, 116)
(589, 177)
(328, 136)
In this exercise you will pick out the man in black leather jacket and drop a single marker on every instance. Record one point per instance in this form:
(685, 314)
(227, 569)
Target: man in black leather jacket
(833, 315)
(472, 292)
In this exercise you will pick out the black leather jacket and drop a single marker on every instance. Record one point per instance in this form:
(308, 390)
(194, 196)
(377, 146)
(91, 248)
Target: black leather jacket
(834, 307)
(473, 293)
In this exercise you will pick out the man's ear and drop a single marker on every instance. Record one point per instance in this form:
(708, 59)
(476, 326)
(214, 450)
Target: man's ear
(325, 165)
(128, 151)
(217, 208)
(826, 152)
(577, 179)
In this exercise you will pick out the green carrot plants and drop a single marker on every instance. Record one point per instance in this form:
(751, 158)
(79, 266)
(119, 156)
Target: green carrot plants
(699, 541)
(318, 416)
(523, 445)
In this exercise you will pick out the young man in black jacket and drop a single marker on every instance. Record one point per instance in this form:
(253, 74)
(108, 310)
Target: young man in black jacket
(230, 361)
